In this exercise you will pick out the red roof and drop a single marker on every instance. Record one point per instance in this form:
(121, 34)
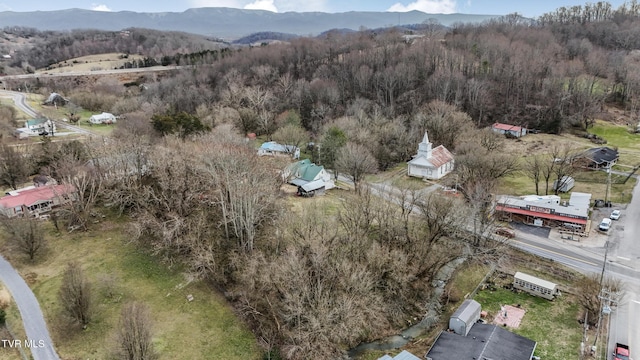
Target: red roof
(541, 215)
(33, 196)
(507, 127)
(440, 156)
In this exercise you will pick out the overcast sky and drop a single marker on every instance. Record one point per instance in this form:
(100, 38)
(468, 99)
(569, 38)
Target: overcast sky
(529, 8)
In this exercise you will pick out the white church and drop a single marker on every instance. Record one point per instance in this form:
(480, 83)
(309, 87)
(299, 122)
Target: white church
(429, 163)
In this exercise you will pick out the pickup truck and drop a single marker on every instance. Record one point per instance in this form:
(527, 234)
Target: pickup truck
(621, 352)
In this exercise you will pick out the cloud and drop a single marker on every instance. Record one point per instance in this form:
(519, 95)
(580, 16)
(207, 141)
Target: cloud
(262, 5)
(270, 5)
(301, 6)
(217, 3)
(427, 6)
(99, 7)
(5, 7)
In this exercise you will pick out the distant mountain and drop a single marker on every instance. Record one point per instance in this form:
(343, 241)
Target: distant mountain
(225, 22)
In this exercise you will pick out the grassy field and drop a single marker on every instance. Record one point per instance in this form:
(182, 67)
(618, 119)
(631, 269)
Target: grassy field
(90, 62)
(592, 182)
(616, 135)
(119, 273)
(553, 324)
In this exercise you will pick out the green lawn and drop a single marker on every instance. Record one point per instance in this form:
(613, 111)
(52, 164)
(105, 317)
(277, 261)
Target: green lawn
(616, 135)
(120, 272)
(553, 324)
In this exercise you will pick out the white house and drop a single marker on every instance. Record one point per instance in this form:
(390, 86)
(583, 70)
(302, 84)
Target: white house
(431, 163)
(272, 148)
(36, 127)
(308, 177)
(104, 118)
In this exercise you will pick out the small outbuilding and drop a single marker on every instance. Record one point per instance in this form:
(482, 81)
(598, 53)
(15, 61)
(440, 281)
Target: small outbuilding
(564, 184)
(404, 355)
(463, 319)
(104, 118)
(509, 130)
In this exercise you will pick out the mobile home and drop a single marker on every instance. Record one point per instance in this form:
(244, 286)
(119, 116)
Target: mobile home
(535, 286)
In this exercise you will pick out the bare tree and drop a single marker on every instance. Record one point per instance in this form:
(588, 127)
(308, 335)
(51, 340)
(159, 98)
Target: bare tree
(134, 340)
(588, 291)
(75, 294)
(356, 161)
(291, 134)
(88, 187)
(26, 235)
(13, 167)
(533, 169)
(563, 158)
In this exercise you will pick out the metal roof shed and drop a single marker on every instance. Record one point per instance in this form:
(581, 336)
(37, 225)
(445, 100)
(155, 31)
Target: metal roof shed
(404, 355)
(463, 319)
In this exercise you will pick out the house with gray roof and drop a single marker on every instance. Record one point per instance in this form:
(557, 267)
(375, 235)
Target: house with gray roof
(484, 341)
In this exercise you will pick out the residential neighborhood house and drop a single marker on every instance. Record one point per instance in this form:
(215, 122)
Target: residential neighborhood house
(482, 341)
(272, 148)
(104, 118)
(35, 201)
(546, 210)
(36, 127)
(429, 163)
(600, 157)
(308, 177)
(509, 130)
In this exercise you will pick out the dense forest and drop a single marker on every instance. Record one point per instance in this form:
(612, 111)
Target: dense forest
(309, 283)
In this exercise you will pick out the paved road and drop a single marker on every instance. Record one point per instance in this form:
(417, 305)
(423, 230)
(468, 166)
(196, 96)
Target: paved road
(626, 252)
(21, 103)
(40, 342)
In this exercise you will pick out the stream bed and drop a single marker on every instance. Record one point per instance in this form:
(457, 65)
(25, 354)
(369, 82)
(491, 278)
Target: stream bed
(430, 318)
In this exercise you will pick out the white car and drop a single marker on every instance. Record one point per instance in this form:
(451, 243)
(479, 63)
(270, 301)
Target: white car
(615, 215)
(605, 224)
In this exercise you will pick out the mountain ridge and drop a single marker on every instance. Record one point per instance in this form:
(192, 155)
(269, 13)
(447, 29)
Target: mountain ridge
(225, 22)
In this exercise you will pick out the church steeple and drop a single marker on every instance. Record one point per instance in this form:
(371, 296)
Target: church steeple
(424, 148)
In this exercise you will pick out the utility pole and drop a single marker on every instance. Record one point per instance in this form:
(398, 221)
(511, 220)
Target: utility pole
(606, 194)
(600, 298)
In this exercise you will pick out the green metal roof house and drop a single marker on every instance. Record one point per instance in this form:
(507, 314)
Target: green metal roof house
(304, 172)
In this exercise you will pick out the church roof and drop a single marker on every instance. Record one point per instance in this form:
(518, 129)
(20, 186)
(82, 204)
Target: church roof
(439, 156)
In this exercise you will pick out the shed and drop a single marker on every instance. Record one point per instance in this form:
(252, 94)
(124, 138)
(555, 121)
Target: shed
(564, 184)
(404, 355)
(509, 130)
(104, 118)
(463, 319)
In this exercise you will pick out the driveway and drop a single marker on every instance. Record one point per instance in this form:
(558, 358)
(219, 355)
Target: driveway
(38, 339)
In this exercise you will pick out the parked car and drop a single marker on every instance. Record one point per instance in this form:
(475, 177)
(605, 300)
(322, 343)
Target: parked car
(508, 233)
(615, 215)
(605, 224)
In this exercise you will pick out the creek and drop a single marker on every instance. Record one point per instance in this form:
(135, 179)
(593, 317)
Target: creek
(431, 317)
